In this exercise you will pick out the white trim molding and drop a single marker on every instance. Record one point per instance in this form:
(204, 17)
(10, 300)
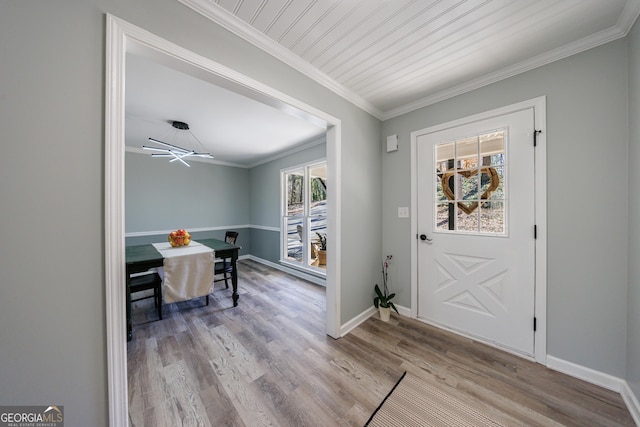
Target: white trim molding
(191, 230)
(227, 20)
(362, 317)
(122, 38)
(631, 400)
(357, 321)
(318, 280)
(587, 374)
(220, 16)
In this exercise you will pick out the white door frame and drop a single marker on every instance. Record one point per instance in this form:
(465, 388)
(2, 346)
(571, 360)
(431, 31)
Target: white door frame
(122, 38)
(539, 111)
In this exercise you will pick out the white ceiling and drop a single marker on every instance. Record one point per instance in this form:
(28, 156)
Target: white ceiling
(388, 57)
(236, 130)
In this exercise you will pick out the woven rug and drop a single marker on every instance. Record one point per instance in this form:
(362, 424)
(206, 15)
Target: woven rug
(414, 402)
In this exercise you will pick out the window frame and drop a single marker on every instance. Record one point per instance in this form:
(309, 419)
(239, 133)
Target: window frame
(306, 216)
(503, 182)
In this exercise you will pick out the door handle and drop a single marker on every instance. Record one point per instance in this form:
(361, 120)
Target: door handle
(424, 238)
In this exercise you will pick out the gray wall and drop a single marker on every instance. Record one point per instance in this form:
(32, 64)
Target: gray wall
(216, 196)
(166, 196)
(633, 298)
(52, 294)
(587, 141)
(161, 196)
(265, 199)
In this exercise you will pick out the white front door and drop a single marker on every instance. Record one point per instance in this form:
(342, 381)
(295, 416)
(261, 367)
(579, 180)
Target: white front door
(476, 251)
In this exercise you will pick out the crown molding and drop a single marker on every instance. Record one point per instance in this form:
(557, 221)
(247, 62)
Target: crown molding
(220, 16)
(562, 52)
(309, 144)
(628, 16)
(217, 14)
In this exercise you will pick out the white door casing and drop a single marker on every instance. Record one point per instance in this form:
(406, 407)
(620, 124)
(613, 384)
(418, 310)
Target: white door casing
(480, 284)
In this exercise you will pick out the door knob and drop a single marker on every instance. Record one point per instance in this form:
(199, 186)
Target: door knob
(424, 238)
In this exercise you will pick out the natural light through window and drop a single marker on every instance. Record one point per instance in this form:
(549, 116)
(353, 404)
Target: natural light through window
(304, 219)
(470, 192)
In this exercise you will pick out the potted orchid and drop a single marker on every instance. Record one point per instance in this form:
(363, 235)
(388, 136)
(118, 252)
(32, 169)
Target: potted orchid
(322, 248)
(383, 298)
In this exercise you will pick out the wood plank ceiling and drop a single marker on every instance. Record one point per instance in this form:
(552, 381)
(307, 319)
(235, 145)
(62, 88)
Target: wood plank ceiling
(392, 56)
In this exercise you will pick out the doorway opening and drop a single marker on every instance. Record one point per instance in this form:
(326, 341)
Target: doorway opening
(123, 38)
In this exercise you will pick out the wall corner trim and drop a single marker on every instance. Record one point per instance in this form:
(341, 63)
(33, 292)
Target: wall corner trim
(631, 400)
(601, 379)
(587, 374)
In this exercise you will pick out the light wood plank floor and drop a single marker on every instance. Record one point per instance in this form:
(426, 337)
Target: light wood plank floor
(269, 362)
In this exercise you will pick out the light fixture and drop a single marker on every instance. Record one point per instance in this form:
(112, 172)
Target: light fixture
(174, 151)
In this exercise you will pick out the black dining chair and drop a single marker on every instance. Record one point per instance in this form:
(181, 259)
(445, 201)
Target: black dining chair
(147, 282)
(224, 267)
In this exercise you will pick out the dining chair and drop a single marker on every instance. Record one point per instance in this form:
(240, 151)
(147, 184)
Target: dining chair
(224, 267)
(147, 282)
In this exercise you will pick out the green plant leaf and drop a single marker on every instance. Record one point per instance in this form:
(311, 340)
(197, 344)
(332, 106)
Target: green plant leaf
(379, 292)
(394, 307)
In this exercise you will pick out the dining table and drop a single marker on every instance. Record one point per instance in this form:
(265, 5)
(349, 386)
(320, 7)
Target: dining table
(141, 258)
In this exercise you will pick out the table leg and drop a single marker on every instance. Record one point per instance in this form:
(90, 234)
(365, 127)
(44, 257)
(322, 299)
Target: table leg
(234, 278)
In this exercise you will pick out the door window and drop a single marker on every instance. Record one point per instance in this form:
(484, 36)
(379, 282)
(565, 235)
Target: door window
(470, 190)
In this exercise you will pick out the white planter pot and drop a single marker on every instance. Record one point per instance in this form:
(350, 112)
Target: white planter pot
(385, 313)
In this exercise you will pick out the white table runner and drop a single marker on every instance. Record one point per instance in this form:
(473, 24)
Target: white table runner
(187, 271)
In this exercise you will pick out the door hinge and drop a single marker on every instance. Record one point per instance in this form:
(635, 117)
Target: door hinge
(535, 326)
(535, 137)
(535, 231)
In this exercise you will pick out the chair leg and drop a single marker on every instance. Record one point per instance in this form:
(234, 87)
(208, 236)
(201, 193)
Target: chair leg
(226, 280)
(159, 301)
(207, 299)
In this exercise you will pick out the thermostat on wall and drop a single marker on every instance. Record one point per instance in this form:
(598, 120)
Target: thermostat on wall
(392, 143)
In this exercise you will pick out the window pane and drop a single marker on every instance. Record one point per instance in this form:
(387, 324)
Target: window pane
(467, 153)
(468, 186)
(440, 196)
(492, 183)
(444, 156)
(442, 216)
(295, 193)
(305, 219)
(467, 172)
(294, 238)
(492, 148)
(467, 221)
(492, 217)
(318, 189)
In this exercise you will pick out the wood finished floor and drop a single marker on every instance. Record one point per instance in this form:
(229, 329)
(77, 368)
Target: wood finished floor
(268, 362)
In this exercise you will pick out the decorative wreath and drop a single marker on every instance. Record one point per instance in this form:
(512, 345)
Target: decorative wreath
(469, 208)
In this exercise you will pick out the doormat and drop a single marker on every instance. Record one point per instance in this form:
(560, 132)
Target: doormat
(414, 402)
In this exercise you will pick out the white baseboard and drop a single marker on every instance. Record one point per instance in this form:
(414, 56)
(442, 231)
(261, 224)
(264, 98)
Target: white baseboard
(302, 275)
(404, 311)
(587, 374)
(360, 318)
(356, 321)
(631, 400)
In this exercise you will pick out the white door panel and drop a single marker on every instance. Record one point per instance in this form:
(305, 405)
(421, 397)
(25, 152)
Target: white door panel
(479, 277)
